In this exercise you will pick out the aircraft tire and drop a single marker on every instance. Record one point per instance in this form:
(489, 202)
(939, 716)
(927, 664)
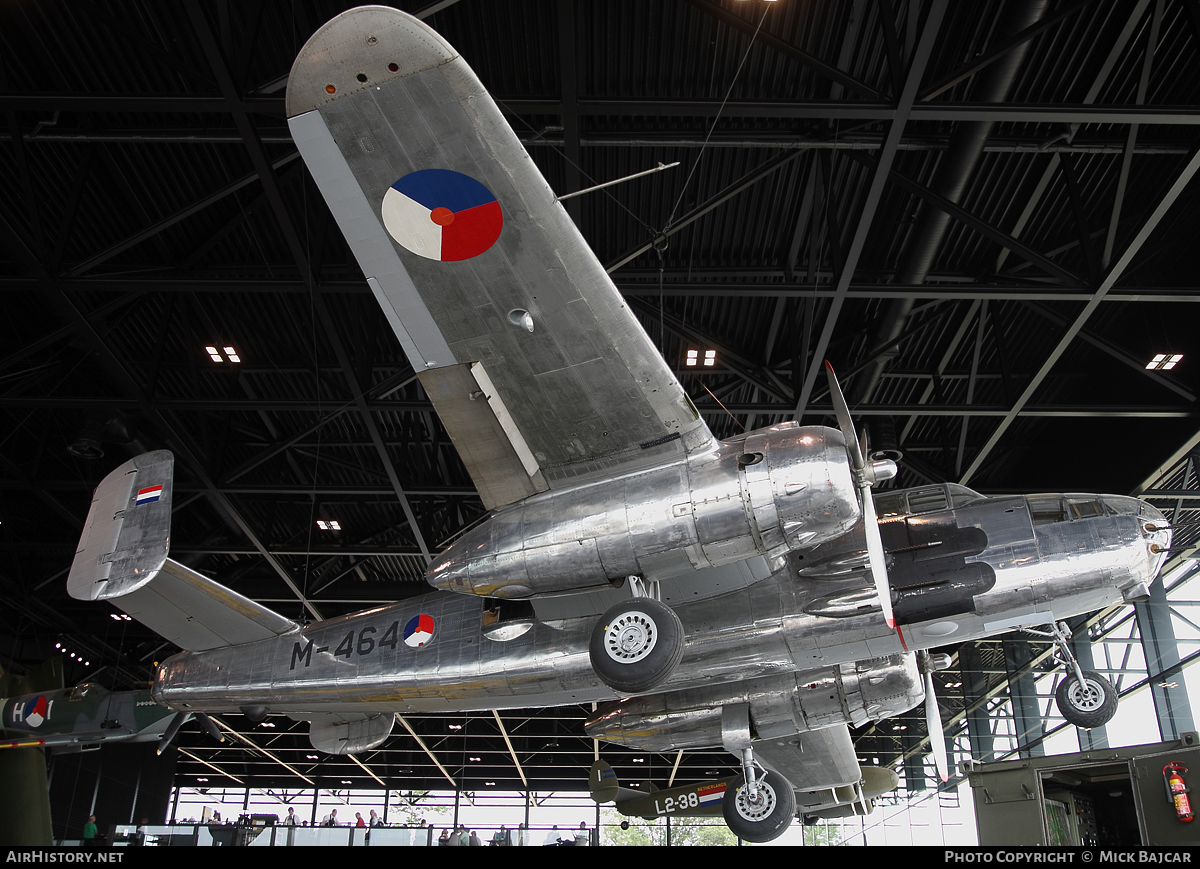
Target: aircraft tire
(636, 645)
(764, 819)
(1093, 704)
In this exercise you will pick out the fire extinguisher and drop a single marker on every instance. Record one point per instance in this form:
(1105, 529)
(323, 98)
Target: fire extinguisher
(1177, 790)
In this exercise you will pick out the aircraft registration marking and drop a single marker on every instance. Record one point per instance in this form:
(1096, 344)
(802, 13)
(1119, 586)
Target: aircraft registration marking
(362, 643)
(683, 802)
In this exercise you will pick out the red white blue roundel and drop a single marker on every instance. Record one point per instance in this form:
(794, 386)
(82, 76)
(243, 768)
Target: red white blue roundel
(35, 711)
(418, 631)
(442, 215)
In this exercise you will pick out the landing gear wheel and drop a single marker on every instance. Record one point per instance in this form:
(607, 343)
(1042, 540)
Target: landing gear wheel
(1088, 705)
(763, 818)
(636, 645)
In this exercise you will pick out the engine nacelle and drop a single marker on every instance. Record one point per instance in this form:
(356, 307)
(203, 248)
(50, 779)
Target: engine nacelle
(780, 488)
(780, 706)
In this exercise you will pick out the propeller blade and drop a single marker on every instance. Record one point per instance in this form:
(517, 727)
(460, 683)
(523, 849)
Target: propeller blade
(870, 523)
(209, 725)
(845, 423)
(875, 553)
(172, 729)
(933, 718)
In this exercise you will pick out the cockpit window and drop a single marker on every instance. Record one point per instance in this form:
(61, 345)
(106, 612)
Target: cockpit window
(927, 499)
(961, 495)
(1044, 509)
(1085, 508)
(1121, 504)
(890, 504)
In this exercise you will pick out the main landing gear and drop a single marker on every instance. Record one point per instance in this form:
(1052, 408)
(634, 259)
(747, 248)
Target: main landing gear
(1084, 698)
(637, 643)
(758, 809)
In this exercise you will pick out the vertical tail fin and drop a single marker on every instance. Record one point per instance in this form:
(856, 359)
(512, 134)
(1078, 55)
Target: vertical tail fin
(602, 782)
(128, 531)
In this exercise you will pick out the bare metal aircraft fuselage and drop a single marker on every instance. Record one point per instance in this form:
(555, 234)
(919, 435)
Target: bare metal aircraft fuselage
(959, 573)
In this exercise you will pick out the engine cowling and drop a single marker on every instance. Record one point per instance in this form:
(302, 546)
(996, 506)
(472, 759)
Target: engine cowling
(781, 488)
(779, 706)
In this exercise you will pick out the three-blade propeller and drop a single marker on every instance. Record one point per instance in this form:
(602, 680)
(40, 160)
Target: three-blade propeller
(866, 475)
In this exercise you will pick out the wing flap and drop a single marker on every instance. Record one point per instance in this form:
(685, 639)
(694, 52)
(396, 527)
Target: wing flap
(500, 463)
(814, 760)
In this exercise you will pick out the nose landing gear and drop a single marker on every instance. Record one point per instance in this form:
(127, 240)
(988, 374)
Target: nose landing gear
(1084, 698)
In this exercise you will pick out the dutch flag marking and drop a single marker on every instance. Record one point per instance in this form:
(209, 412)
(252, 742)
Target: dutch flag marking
(149, 495)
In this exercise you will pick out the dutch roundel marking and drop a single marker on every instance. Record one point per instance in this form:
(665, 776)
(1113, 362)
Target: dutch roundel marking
(442, 215)
(149, 495)
(418, 631)
(35, 711)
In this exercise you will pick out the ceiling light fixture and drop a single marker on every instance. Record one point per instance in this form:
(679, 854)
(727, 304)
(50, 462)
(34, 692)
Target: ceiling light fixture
(215, 355)
(1164, 362)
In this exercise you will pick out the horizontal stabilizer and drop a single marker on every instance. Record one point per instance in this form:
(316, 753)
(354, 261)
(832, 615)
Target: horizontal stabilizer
(196, 613)
(127, 534)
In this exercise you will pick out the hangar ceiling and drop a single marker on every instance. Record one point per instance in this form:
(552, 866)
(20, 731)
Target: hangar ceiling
(982, 213)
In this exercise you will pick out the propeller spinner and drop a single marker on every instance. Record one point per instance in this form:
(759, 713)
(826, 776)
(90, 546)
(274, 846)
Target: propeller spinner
(866, 475)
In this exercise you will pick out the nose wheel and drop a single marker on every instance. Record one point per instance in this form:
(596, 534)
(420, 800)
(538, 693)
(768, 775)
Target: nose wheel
(636, 645)
(1084, 698)
(1086, 704)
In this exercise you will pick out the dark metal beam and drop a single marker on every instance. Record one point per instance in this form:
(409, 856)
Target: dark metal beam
(1110, 279)
(883, 166)
(270, 184)
(981, 226)
(992, 55)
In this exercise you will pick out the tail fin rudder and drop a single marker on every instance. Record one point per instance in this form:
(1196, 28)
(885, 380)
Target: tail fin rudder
(602, 782)
(128, 531)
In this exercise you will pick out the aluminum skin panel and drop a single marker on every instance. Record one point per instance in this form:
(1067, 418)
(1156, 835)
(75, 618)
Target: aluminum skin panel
(586, 388)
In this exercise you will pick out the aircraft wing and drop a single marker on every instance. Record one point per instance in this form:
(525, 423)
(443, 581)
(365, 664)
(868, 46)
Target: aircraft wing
(535, 364)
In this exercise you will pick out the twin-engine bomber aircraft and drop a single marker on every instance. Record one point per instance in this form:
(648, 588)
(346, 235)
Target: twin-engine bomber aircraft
(739, 594)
